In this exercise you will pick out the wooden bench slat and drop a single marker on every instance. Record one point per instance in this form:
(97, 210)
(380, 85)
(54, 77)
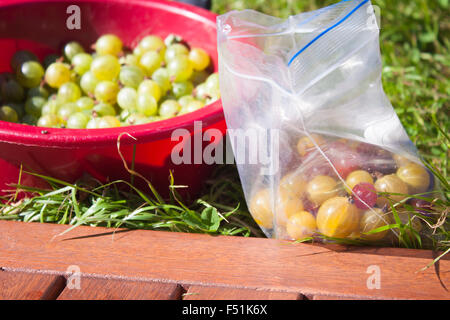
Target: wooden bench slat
(324, 297)
(29, 286)
(222, 293)
(111, 289)
(194, 259)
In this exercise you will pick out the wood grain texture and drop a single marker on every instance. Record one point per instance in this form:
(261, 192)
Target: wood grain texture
(322, 297)
(251, 263)
(221, 293)
(112, 289)
(29, 286)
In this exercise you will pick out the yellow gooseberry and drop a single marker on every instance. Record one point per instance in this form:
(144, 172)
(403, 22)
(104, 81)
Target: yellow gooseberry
(372, 219)
(415, 176)
(393, 184)
(287, 204)
(301, 225)
(305, 144)
(322, 188)
(357, 177)
(260, 208)
(337, 217)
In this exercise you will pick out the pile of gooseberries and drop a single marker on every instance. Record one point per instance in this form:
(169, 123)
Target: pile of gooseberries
(345, 194)
(110, 87)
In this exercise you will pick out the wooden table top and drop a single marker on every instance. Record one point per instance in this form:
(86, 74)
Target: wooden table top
(37, 262)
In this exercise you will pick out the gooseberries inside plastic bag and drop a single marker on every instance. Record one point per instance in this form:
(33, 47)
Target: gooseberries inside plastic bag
(339, 188)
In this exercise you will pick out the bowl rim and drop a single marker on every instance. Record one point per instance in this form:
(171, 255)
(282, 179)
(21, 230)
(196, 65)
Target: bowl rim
(23, 134)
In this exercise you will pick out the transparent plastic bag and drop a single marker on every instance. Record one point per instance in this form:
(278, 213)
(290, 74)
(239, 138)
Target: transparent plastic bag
(311, 85)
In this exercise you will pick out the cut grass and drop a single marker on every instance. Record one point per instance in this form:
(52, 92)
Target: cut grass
(91, 203)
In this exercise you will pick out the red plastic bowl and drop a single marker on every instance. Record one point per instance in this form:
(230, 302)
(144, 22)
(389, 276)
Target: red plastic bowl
(40, 26)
